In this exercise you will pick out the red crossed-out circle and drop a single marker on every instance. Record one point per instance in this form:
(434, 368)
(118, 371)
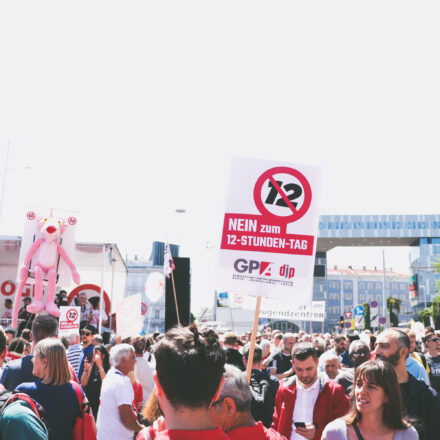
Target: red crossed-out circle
(72, 221)
(268, 175)
(31, 215)
(71, 315)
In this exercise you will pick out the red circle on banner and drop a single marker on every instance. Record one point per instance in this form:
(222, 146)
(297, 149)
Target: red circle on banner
(72, 221)
(296, 214)
(71, 315)
(31, 215)
(78, 289)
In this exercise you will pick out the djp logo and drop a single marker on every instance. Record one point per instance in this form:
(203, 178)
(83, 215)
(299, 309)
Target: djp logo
(253, 266)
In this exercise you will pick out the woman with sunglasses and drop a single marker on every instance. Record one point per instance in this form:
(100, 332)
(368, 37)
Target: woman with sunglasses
(377, 410)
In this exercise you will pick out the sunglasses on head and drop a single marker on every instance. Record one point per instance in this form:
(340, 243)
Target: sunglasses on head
(86, 333)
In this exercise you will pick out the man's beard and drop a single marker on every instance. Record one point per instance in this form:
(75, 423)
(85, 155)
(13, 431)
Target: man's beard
(392, 359)
(340, 350)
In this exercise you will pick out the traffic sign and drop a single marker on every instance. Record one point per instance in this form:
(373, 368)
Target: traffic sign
(144, 308)
(359, 311)
(347, 315)
(382, 320)
(286, 193)
(373, 304)
(347, 324)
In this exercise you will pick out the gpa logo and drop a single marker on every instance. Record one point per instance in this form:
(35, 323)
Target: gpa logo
(253, 266)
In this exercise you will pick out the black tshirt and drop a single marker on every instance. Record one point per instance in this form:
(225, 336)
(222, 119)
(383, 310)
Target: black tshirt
(282, 362)
(404, 390)
(434, 371)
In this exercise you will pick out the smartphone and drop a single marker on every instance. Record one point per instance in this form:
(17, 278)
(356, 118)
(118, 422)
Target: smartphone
(299, 424)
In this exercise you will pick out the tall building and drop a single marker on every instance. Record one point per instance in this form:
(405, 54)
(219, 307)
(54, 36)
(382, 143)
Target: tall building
(364, 285)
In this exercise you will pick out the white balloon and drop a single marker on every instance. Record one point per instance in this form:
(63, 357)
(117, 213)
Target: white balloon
(154, 286)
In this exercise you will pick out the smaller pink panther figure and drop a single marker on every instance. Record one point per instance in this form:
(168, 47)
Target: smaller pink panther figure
(45, 263)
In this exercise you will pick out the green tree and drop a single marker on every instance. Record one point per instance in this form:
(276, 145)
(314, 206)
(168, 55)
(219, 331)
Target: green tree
(393, 306)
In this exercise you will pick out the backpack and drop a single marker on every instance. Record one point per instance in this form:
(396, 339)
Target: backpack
(263, 399)
(7, 397)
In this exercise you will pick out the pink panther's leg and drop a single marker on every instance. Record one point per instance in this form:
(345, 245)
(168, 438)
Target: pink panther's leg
(37, 306)
(50, 306)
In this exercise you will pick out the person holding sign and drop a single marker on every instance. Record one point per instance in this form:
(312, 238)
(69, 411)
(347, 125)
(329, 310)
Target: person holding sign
(307, 402)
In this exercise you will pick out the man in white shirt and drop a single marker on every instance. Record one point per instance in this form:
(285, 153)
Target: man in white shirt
(116, 416)
(142, 368)
(307, 402)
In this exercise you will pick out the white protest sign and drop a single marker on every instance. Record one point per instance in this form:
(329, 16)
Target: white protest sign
(69, 320)
(269, 231)
(128, 316)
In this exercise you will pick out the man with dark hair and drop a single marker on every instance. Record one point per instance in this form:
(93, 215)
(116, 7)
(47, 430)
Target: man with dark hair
(189, 377)
(263, 388)
(20, 370)
(85, 358)
(432, 343)
(233, 356)
(421, 403)
(307, 398)
(358, 352)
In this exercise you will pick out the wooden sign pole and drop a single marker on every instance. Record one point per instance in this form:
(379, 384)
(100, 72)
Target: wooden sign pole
(253, 339)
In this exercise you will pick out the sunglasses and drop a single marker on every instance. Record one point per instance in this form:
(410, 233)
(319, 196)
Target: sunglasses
(86, 333)
(434, 340)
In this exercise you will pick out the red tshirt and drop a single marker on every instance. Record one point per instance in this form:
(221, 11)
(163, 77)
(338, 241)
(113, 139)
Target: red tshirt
(256, 432)
(174, 434)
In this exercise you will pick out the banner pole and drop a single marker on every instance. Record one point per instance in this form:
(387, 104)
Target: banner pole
(253, 339)
(175, 298)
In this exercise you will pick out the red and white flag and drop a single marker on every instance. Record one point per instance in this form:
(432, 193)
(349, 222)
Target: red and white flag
(168, 263)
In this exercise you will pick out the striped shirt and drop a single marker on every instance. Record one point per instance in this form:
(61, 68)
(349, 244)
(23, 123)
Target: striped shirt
(73, 354)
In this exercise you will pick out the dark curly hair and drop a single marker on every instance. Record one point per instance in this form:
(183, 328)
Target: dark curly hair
(189, 366)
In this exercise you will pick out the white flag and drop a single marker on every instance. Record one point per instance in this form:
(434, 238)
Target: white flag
(168, 263)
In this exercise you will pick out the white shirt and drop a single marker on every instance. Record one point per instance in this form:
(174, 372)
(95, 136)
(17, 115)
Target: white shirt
(116, 390)
(304, 406)
(144, 374)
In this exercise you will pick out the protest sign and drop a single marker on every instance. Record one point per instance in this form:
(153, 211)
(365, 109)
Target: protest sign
(69, 319)
(128, 316)
(269, 230)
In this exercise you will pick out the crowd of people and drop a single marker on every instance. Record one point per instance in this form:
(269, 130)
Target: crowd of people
(191, 383)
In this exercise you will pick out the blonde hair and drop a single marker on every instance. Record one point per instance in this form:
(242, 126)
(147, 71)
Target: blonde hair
(57, 368)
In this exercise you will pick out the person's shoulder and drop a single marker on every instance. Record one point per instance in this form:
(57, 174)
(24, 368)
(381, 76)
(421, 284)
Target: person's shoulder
(417, 387)
(15, 364)
(336, 427)
(27, 386)
(409, 433)
(271, 434)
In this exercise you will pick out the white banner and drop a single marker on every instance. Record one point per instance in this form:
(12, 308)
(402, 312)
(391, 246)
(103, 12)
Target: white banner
(128, 316)
(275, 308)
(269, 231)
(69, 320)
